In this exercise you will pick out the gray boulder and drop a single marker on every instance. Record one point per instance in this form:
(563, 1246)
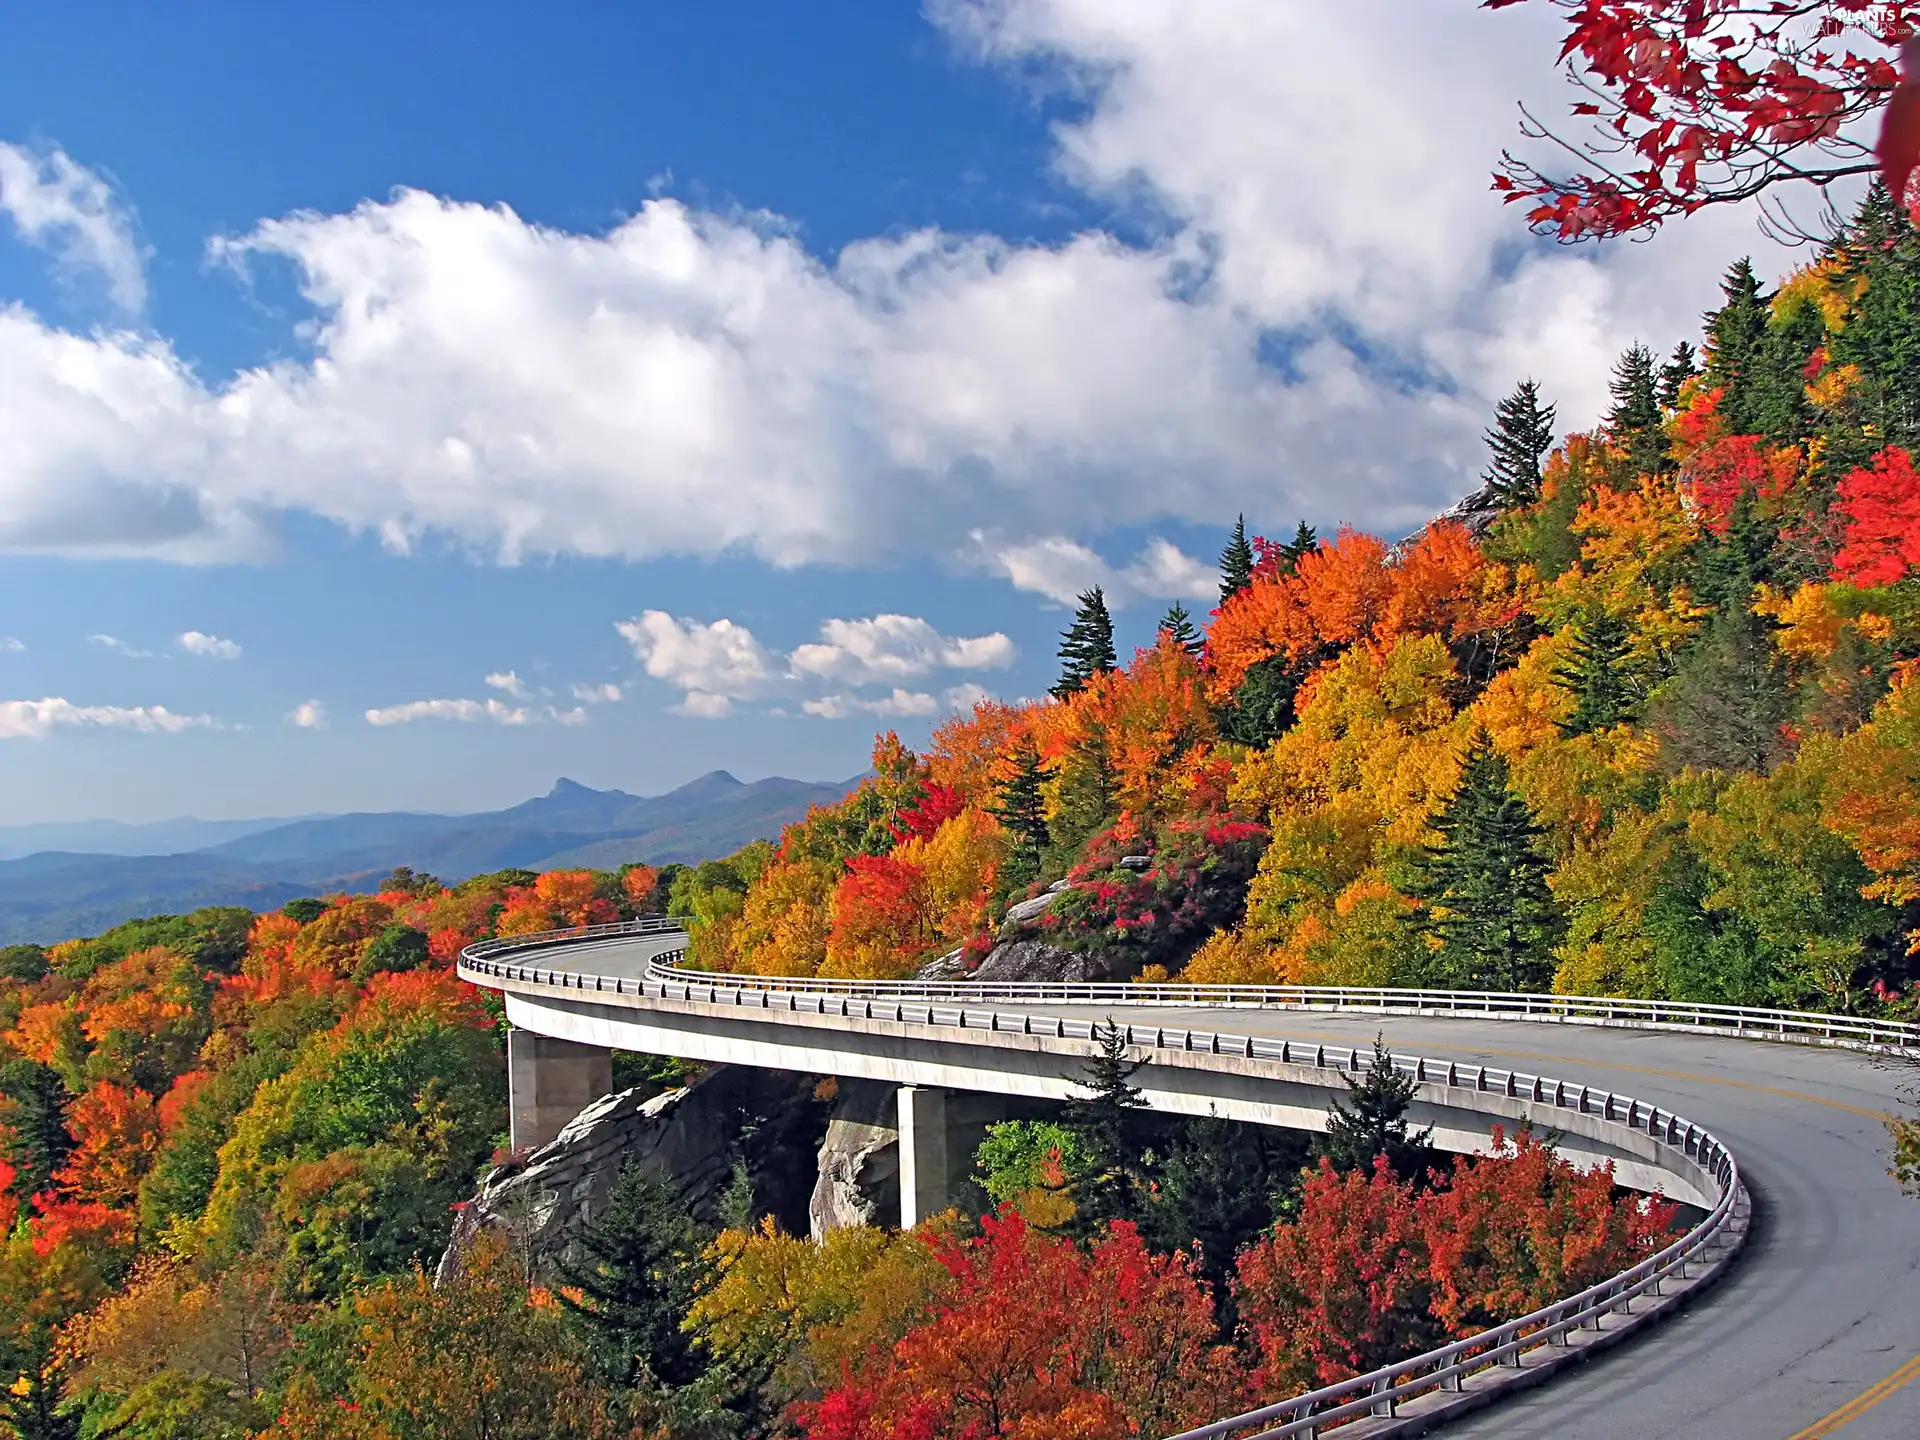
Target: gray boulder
(1028, 910)
(688, 1137)
(1036, 960)
(859, 1173)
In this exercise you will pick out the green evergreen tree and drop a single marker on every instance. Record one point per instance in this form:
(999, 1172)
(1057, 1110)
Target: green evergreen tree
(629, 1279)
(1879, 258)
(1679, 369)
(1236, 562)
(1021, 809)
(1728, 565)
(1303, 544)
(1779, 408)
(1735, 334)
(1179, 624)
(1521, 436)
(1599, 675)
(1219, 1186)
(1485, 884)
(33, 1111)
(1085, 798)
(1635, 417)
(1725, 708)
(1262, 706)
(1115, 1130)
(1373, 1122)
(1086, 646)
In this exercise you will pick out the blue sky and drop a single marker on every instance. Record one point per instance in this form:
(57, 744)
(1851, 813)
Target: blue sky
(384, 390)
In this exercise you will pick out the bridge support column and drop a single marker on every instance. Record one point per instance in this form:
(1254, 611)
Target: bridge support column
(939, 1132)
(549, 1082)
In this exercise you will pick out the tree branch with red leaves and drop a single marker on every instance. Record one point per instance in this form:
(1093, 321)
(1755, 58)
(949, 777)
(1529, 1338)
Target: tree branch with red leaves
(1706, 102)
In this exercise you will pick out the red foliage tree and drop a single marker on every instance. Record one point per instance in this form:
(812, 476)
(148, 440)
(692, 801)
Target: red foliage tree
(1341, 1290)
(1695, 103)
(1521, 1228)
(1882, 506)
(1046, 1341)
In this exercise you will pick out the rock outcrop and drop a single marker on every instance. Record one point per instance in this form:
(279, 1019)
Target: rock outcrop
(689, 1137)
(1040, 961)
(859, 1168)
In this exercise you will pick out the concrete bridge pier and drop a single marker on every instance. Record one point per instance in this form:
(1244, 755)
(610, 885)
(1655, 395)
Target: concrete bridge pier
(549, 1081)
(939, 1132)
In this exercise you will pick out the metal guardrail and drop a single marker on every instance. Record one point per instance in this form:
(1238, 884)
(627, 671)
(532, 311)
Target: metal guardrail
(1739, 1020)
(1376, 1393)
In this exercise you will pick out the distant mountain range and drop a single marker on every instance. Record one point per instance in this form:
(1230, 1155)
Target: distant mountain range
(58, 881)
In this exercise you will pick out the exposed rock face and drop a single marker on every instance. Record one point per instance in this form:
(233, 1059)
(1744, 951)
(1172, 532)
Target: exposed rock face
(859, 1175)
(689, 1137)
(941, 967)
(1028, 910)
(1037, 960)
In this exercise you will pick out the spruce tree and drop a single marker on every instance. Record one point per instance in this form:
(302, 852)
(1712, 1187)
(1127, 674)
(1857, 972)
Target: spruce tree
(1086, 646)
(1726, 707)
(1598, 674)
(33, 1109)
(1021, 809)
(1634, 417)
(1521, 436)
(1179, 624)
(1303, 544)
(1485, 884)
(1735, 334)
(1236, 562)
(1115, 1129)
(1262, 707)
(1374, 1122)
(1679, 369)
(629, 1279)
(1085, 794)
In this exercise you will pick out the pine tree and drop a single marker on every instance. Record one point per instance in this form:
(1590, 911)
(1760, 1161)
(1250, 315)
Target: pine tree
(1726, 707)
(1485, 884)
(1084, 800)
(1735, 334)
(1262, 707)
(1681, 368)
(33, 1110)
(629, 1279)
(1521, 436)
(1021, 809)
(1634, 418)
(1598, 673)
(1236, 562)
(1303, 544)
(1179, 624)
(1114, 1127)
(1376, 1123)
(1086, 646)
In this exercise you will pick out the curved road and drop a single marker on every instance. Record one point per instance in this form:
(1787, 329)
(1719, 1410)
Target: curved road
(1816, 1329)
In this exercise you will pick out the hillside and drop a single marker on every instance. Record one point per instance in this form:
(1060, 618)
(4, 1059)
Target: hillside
(50, 895)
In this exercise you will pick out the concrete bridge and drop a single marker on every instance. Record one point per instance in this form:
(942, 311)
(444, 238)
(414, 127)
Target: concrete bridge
(1812, 1324)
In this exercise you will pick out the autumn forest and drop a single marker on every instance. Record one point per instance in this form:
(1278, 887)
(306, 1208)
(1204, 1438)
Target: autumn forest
(1640, 717)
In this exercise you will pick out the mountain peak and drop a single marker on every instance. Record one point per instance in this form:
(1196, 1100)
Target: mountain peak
(565, 789)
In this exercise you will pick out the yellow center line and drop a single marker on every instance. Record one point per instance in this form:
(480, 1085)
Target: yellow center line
(1860, 1404)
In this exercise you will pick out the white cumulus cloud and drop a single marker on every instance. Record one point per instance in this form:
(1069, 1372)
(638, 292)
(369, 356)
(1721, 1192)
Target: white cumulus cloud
(74, 214)
(891, 647)
(467, 710)
(121, 647)
(1329, 305)
(11, 645)
(720, 660)
(910, 703)
(211, 647)
(34, 719)
(1063, 569)
(605, 694)
(508, 681)
(308, 715)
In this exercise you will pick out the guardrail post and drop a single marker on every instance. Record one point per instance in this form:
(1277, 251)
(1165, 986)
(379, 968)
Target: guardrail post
(1383, 1406)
